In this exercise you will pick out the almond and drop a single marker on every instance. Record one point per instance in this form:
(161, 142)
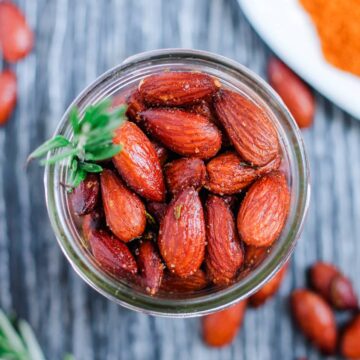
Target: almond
(220, 329)
(150, 266)
(294, 92)
(182, 234)
(224, 254)
(185, 133)
(249, 128)
(124, 211)
(85, 197)
(264, 210)
(321, 274)
(350, 341)
(138, 163)
(228, 174)
(112, 254)
(342, 294)
(232, 201)
(315, 318)
(92, 221)
(161, 152)
(7, 94)
(135, 106)
(177, 88)
(175, 284)
(254, 256)
(16, 37)
(269, 289)
(183, 173)
(157, 210)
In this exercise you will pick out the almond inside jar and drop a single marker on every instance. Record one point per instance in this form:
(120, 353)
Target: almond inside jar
(197, 196)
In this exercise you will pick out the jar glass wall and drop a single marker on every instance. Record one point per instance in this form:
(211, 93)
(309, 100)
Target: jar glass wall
(232, 75)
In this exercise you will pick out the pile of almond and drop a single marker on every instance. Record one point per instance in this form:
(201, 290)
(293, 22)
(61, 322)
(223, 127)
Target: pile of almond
(195, 198)
(312, 311)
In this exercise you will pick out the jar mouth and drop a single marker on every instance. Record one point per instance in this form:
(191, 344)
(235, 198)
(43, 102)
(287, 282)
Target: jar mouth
(70, 240)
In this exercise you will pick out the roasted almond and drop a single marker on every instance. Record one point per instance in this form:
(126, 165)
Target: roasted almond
(264, 210)
(92, 221)
(320, 275)
(220, 329)
(183, 132)
(161, 152)
(16, 37)
(228, 174)
(112, 254)
(157, 210)
(7, 94)
(124, 211)
(342, 294)
(174, 284)
(85, 197)
(315, 318)
(350, 341)
(224, 254)
(254, 256)
(269, 289)
(150, 266)
(135, 106)
(249, 128)
(138, 163)
(183, 173)
(182, 234)
(177, 88)
(294, 92)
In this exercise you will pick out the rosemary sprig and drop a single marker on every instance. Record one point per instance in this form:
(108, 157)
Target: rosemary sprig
(91, 142)
(19, 343)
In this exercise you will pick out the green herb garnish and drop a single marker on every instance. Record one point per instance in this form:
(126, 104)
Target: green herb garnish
(92, 141)
(19, 343)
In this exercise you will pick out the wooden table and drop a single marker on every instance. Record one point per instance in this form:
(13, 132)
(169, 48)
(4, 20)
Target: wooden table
(76, 42)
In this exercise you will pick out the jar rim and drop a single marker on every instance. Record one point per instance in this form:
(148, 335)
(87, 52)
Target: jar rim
(205, 304)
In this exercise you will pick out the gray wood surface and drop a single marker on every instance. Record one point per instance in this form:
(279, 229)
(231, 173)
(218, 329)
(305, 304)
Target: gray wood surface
(76, 42)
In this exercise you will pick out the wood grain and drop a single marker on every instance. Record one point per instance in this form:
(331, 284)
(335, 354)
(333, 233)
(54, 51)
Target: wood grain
(76, 42)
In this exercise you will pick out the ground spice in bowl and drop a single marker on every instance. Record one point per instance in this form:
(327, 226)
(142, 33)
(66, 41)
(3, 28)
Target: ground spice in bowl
(338, 25)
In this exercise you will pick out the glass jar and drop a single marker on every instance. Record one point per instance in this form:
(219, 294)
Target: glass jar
(234, 76)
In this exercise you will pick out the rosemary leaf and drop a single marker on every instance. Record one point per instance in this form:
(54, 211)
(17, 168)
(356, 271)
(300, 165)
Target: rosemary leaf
(91, 168)
(9, 332)
(56, 142)
(56, 158)
(29, 338)
(103, 153)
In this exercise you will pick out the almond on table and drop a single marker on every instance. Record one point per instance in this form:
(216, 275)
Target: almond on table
(8, 94)
(315, 318)
(220, 329)
(350, 340)
(16, 37)
(294, 92)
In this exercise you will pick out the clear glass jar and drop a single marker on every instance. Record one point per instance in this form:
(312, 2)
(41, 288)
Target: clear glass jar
(232, 75)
